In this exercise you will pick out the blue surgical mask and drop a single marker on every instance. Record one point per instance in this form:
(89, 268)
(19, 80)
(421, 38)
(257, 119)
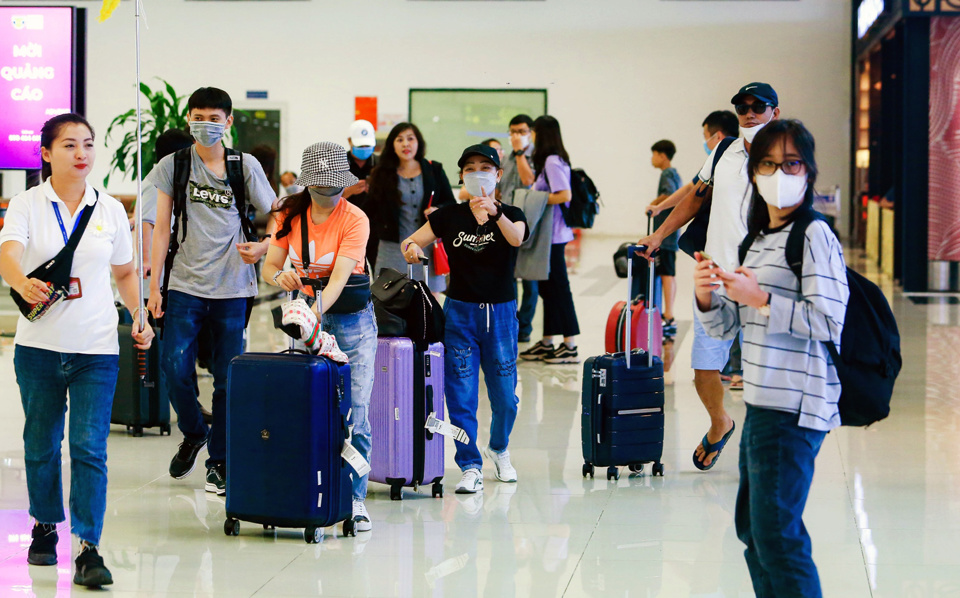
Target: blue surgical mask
(362, 153)
(480, 183)
(706, 147)
(207, 134)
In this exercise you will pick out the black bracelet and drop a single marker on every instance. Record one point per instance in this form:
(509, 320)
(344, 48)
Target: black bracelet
(518, 153)
(499, 213)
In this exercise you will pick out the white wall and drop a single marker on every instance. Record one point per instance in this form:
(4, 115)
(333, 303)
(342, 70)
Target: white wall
(621, 74)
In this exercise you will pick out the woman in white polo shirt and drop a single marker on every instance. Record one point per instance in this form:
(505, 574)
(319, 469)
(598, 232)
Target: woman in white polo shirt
(73, 346)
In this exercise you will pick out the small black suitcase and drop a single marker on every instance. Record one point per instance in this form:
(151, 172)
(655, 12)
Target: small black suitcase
(137, 401)
(622, 418)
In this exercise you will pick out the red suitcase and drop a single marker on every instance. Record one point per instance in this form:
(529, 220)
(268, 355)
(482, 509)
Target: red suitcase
(617, 320)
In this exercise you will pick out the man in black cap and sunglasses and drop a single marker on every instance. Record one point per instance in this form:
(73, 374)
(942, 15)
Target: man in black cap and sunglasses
(728, 184)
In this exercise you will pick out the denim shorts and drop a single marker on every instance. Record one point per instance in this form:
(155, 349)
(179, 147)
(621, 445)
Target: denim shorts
(709, 353)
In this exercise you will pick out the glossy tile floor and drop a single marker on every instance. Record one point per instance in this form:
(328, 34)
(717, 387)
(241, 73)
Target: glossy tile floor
(884, 510)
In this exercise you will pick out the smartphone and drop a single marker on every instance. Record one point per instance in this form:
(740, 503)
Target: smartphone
(706, 256)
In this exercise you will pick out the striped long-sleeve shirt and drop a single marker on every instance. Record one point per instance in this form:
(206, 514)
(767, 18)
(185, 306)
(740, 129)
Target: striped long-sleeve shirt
(785, 363)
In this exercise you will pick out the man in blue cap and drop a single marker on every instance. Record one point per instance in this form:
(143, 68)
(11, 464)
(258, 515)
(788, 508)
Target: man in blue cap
(757, 105)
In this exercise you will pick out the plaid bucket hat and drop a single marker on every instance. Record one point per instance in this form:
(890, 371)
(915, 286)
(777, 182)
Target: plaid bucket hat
(325, 165)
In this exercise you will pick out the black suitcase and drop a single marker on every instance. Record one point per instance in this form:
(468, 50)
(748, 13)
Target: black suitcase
(137, 401)
(622, 417)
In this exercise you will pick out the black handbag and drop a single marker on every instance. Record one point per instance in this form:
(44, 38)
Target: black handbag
(407, 308)
(55, 271)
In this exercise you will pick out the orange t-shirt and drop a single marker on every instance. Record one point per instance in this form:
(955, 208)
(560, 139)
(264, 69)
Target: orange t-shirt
(344, 233)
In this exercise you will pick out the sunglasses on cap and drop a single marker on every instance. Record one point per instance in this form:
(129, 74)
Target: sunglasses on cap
(757, 107)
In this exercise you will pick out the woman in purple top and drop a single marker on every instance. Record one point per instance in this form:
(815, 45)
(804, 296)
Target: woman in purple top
(552, 167)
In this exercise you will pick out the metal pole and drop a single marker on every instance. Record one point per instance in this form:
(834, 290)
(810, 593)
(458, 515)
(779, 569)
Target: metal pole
(141, 357)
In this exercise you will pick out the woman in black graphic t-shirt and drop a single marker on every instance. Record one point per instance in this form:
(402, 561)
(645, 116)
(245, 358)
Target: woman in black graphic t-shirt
(481, 238)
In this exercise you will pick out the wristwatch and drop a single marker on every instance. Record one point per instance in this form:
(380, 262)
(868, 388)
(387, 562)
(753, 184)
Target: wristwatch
(518, 153)
(765, 308)
(499, 213)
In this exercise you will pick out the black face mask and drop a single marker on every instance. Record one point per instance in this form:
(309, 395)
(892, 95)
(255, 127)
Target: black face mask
(326, 192)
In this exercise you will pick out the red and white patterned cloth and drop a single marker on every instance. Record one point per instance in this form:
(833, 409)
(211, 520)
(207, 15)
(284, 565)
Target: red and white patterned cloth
(318, 342)
(944, 172)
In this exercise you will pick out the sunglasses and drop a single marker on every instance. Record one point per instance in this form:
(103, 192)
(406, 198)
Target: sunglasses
(757, 107)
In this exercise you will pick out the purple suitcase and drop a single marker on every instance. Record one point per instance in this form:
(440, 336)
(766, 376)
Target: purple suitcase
(407, 388)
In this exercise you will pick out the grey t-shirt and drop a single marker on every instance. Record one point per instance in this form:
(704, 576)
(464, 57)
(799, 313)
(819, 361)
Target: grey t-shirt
(208, 264)
(670, 181)
(511, 174)
(149, 191)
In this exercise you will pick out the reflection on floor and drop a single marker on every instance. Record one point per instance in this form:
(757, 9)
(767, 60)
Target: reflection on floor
(884, 509)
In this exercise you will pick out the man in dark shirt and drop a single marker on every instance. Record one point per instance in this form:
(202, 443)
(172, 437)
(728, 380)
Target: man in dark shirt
(482, 238)
(362, 161)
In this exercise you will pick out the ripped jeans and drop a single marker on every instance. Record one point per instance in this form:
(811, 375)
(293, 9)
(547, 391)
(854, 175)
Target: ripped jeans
(480, 336)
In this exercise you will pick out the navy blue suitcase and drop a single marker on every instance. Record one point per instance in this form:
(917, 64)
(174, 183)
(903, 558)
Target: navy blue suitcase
(622, 406)
(286, 426)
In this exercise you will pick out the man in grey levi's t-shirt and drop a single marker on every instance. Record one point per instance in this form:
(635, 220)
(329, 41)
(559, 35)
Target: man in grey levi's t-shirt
(208, 264)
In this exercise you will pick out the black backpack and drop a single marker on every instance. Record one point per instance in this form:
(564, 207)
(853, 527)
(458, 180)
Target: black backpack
(584, 200)
(695, 237)
(871, 361)
(182, 162)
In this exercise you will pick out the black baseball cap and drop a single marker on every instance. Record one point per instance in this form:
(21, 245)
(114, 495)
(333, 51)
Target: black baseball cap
(761, 91)
(480, 150)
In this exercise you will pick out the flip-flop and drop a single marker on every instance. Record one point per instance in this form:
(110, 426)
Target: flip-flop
(709, 448)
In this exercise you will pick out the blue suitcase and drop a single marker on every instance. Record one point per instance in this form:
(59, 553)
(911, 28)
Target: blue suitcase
(286, 426)
(622, 407)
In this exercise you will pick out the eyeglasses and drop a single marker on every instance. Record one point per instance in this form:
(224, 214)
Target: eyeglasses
(768, 167)
(757, 107)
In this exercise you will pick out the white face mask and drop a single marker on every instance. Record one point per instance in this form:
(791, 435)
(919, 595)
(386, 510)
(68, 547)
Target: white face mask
(525, 141)
(473, 181)
(782, 190)
(206, 133)
(748, 133)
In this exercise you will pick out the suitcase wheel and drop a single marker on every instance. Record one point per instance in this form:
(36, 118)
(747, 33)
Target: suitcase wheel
(588, 470)
(164, 429)
(269, 528)
(137, 431)
(658, 469)
(613, 473)
(635, 467)
(313, 535)
(396, 493)
(437, 490)
(349, 528)
(231, 527)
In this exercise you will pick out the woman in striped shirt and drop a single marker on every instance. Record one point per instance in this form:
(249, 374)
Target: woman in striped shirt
(790, 384)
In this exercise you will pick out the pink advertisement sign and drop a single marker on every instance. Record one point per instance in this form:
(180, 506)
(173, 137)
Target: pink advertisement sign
(943, 241)
(36, 78)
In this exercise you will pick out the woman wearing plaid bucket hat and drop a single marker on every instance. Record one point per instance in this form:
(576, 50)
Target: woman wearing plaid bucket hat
(332, 248)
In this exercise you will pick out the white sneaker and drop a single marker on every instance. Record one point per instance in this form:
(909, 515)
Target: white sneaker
(361, 520)
(471, 482)
(505, 471)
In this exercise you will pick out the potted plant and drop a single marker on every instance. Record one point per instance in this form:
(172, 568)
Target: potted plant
(163, 110)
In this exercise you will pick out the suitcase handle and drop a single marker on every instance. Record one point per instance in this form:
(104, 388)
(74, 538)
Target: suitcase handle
(428, 392)
(426, 275)
(631, 251)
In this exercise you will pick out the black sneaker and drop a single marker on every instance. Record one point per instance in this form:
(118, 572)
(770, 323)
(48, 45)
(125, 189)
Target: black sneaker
(537, 352)
(43, 549)
(669, 328)
(563, 354)
(186, 458)
(91, 571)
(217, 479)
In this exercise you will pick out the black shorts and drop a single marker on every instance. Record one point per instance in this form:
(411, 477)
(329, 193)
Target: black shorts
(666, 263)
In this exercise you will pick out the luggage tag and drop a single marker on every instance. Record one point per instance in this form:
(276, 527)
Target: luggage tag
(438, 426)
(355, 459)
(75, 291)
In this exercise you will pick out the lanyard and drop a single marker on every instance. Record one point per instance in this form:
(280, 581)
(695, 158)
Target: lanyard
(63, 229)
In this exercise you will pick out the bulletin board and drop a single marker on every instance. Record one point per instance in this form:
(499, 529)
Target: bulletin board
(452, 119)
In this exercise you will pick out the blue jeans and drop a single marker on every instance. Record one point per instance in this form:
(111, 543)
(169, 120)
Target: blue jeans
(776, 468)
(480, 336)
(185, 315)
(528, 306)
(356, 335)
(44, 378)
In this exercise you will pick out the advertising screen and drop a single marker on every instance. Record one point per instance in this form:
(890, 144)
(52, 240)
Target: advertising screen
(36, 78)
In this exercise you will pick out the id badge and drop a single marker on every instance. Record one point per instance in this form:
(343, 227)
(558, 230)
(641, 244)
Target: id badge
(75, 291)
